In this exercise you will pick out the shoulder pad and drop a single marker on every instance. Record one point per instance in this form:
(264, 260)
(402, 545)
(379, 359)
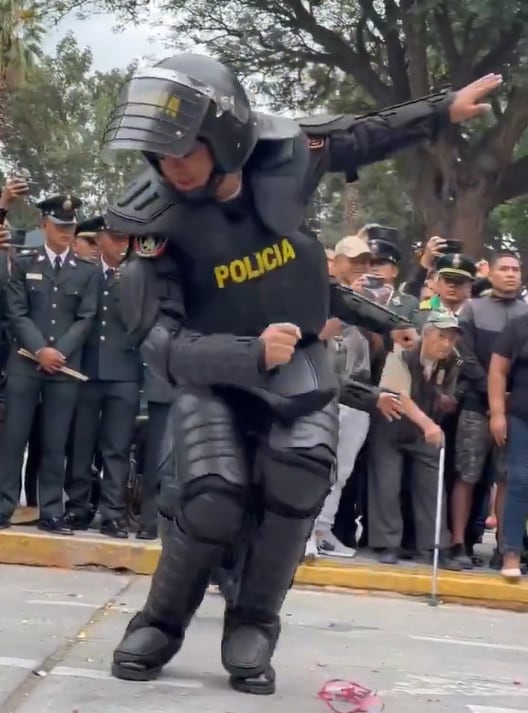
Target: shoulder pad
(275, 128)
(272, 154)
(323, 125)
(147, 207)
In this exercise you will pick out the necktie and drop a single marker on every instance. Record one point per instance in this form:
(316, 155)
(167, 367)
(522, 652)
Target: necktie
(57, 264)
(109, 272)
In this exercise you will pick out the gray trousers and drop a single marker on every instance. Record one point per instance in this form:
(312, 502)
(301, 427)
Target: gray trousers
(388, 444)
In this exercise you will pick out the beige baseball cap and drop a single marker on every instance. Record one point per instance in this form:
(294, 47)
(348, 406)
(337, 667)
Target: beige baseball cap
(352, 246)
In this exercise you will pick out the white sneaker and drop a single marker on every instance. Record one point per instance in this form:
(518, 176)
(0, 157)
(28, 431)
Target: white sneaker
(329, 546)
(311, 552)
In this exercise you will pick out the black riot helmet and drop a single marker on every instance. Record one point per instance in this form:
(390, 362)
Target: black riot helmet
(164, 110)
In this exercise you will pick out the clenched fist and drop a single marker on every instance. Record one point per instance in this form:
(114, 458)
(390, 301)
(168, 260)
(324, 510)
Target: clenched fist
(280, 341)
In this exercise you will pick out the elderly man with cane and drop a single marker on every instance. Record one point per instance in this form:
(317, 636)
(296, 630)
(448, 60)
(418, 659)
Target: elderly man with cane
(426, 377)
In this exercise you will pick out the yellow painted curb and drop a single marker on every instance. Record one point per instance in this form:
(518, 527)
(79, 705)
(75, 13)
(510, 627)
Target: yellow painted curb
(43, 550)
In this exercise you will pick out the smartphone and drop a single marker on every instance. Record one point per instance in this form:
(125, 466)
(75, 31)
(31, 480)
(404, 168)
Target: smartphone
(373, 282)
(452, 247)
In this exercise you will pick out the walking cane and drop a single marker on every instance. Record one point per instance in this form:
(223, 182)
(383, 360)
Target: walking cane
(438, 526)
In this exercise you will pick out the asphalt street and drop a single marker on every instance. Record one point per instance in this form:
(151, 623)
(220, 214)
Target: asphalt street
(58, 629)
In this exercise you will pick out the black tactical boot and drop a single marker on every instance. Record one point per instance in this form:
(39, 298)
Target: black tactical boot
(178, 586)
(248, 644)
(143, 651)
(252, 627)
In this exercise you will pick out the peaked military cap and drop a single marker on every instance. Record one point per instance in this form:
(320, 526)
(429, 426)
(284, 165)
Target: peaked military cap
(384, 243)
(61, 209)
(456, 265)
(90, 228)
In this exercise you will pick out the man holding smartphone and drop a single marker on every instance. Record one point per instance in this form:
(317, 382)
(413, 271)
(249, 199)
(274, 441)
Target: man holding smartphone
(384, 244)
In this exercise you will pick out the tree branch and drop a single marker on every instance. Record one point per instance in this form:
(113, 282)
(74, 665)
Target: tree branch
(447, 37)
(344, 56)
(396, 52)
(503, 52)
(415, 36)
(499, 142)
(513, 182)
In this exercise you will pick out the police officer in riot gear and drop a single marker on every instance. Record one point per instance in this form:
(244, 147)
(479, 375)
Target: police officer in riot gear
(240, 295)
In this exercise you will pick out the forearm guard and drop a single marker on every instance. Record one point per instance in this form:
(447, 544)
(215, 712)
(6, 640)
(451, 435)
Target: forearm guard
(429, 112)
(341, 144)
(216, 359)
(354, 309)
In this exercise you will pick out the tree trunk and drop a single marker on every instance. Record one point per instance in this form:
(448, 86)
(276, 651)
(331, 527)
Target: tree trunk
(352, 214)
(453, 201)
(4, 107)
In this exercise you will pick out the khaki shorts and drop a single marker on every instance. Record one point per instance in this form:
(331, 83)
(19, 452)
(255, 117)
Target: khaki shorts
(473, 445)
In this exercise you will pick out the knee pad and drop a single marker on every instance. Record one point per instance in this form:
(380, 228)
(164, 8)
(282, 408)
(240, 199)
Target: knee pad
(296, 481)
(211, 510)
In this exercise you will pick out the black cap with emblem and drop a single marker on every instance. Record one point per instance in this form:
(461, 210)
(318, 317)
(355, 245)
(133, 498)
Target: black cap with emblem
(384, 243)
(90, 227)
(456, 266)
(61, 209)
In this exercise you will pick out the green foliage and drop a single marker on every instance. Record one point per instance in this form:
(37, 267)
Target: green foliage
(343, 56)
(58, 122)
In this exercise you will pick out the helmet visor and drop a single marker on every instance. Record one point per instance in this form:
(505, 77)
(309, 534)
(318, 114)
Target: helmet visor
(158, 111)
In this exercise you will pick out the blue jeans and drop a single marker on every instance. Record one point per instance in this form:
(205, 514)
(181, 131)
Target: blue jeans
(516, 506)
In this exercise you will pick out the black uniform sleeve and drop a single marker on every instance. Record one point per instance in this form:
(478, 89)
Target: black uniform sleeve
(175, 351)
(353, 142)
(74, 338)
(362, 397)
(21, 325)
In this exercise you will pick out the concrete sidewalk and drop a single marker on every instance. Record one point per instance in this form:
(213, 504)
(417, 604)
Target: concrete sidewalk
(59, 628)
(23, 545)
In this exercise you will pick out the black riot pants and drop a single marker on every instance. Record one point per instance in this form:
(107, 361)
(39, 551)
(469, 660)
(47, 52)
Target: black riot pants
(211, 472)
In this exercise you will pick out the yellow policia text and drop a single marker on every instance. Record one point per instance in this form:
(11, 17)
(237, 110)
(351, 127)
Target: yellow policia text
(162, 100)
(255, 265)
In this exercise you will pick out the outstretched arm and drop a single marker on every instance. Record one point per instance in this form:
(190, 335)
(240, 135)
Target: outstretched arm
(343, 144)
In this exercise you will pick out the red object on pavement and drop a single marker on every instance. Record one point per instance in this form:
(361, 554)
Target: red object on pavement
(347, 697)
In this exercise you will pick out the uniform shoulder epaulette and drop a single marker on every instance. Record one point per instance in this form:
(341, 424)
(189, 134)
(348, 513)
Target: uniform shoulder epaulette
(425, 304)
(27, 253)
(84, 260)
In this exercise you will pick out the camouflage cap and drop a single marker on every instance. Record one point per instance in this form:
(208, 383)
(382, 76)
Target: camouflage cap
(443, 320)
